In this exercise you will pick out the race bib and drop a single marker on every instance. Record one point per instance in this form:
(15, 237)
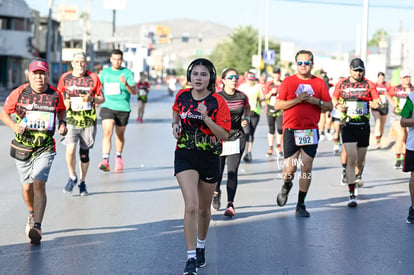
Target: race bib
(383, 99)
(356, 108)
(306, 137)
(142, 92)
(37, 120)
(401, 103)
(76, 104)
(272, 100)
(112, 88)
(231, 147)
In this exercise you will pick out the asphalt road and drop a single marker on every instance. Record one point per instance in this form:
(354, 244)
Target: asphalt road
(132, 222)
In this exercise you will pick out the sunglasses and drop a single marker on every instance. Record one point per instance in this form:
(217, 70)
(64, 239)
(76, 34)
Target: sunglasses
(306, 63)
(230, 77)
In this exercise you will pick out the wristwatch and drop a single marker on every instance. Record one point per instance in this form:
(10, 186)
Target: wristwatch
(320, 102)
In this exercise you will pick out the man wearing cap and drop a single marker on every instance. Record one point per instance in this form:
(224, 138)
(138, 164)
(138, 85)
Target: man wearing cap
(274, 117)
(119, 84)
(82, 90)
(353, 96)
(36, 106)
(255, 94)
(397, 97)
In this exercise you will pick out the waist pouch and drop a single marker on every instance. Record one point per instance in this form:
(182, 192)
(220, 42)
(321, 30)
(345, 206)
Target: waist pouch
(20, 151)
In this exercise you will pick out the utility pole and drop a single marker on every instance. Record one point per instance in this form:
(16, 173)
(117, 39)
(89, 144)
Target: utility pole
(259, 42)
(49, 33)
(364, 39)
(86, 28)
(267, 8)
(113, 27)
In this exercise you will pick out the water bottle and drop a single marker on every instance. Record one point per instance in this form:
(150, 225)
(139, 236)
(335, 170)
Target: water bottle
(23, 123)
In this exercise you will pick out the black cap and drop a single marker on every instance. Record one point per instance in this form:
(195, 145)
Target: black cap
(357, 64)
(276, 70)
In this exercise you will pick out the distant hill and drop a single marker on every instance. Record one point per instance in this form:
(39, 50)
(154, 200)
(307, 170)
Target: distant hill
(211, 35)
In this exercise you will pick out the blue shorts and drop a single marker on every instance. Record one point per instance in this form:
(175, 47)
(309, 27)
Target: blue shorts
(205, 163)
(35, 168)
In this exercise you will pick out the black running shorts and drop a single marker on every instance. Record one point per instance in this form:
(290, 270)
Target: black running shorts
(205, 163)
(290, 147)
(408, 161)
(359, 134)
(121, 118)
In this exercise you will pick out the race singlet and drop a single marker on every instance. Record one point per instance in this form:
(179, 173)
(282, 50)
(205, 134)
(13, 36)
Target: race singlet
(231, 147)
(112, 88)
(306, 137)
(40, 121)
(77, 104)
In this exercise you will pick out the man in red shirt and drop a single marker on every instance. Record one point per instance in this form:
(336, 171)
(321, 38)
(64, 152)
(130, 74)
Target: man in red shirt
(301, 97)
(36, 106)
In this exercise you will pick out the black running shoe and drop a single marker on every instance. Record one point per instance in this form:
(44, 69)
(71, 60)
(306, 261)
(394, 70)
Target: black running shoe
(190, 267)
(82, 189)
(283, 195)
(216, 200)
(301, 210)
(69, 186)
(353, 202)
(248, 157)
(201, 257)
(343, 178)
(398, 164)
(410, 218)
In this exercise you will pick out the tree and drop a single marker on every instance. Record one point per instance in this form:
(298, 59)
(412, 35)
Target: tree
(237, 51)
(378, 37)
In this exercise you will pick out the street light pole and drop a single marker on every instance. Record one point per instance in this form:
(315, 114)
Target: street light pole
(49, 33)
(364, 38)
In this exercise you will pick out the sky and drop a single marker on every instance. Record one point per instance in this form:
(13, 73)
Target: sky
(329, 25)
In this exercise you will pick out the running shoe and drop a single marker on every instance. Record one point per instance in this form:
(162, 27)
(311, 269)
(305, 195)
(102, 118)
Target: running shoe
(82, 189)
(353, 201)
(343, 178)
(29, 224)
(216, 200)
(248, 157)
(119, 164)
(322, 137)
(398, 164)
(200, 257)
(301, 210)
(190, 267)
(336, 149)
(35, 235)
(283, 195)
(230, 210)
(329, 136)
(410, 218)
(359, 181)
(69, 186)
(269, 152)
(104, 165)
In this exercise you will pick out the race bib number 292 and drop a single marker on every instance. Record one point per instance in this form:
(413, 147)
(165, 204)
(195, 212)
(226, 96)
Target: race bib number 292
(306, 137)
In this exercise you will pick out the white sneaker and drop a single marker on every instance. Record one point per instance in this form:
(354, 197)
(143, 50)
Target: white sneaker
(322, 137)
(336, 149)
(329, 136)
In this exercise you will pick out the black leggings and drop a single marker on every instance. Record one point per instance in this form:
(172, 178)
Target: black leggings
(274, 122)
(251, 127)
(233, 162)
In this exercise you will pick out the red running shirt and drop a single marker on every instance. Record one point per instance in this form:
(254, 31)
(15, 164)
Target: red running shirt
(303, 115)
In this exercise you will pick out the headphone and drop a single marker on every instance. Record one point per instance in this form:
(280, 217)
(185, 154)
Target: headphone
(208, 64)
